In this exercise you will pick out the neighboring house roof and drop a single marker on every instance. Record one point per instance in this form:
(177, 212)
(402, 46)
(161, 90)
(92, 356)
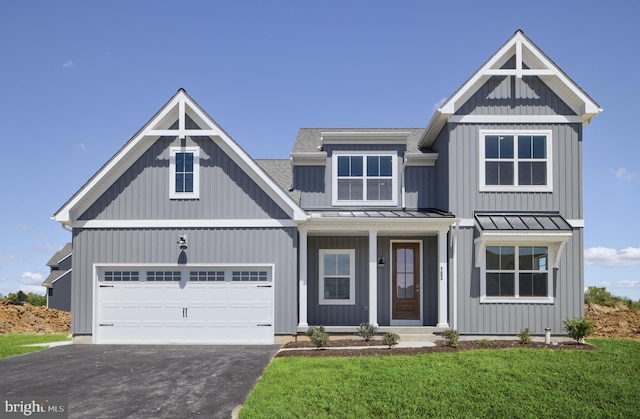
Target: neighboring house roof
(177, 108)
(54, 276)
(280, 171)
(309, 140)
(530, 61)
(60, 255)
(526, 221)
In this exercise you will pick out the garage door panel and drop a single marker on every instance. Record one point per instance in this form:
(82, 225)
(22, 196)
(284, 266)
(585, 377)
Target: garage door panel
(185, 312)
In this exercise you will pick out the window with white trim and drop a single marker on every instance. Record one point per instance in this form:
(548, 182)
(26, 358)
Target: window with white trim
(516, 272)
(337, 276)
(121, 276)
(364, 179)
(515, 160)
(184, 180)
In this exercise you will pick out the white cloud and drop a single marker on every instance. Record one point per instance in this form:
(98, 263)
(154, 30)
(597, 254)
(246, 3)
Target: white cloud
(626, 284)
(31, 278)
(69, 64)
(45, 248)
(7, 256)
(23, 227)
(623, 173)
(605, 256)
(81, 146)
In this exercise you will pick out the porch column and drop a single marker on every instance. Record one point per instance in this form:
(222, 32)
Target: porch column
(443, 282)
(302, 288)
(373, 277)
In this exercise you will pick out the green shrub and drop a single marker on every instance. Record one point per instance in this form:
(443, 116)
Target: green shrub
(318, 336)
(390, 339)
(366, 331)
(578, 328)
(452, 336)
(483, 342)
(525, 336)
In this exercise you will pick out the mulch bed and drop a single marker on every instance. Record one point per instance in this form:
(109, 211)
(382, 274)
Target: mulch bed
(441, 346)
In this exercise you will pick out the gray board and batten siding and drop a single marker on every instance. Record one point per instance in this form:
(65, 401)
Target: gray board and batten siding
(59, 295)
(207, 246)
(226, 192)
(350, 315)
(475, 317)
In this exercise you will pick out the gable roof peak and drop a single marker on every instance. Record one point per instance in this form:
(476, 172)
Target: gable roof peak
(529, 61)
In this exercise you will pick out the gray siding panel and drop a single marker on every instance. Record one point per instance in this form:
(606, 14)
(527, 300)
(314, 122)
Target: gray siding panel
(420, 187)
(463, 171)
(510, 318)
(61, 294)
(206, 246)
(310, 181)
(226, 191)
(509, 95)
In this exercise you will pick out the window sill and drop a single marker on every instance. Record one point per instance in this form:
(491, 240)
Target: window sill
(336, 303)
(516, 300)
(515, 189)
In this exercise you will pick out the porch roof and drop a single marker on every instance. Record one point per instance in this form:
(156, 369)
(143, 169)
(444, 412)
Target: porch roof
(381, 214)
(524, 221)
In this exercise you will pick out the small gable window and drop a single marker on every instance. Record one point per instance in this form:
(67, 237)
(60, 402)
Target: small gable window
(515, 161)
(184, 177)
(363, 179)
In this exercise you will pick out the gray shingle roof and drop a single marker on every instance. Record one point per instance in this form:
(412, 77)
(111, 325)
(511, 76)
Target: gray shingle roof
(53, 276)
(280, 171)
(308, 139)
(59, 255)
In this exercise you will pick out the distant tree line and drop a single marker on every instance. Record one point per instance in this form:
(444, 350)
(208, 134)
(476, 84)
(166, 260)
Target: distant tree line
(600, 295)
(22, 297)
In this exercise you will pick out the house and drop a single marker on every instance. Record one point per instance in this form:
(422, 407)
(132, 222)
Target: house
(58, 283)
(474, 222)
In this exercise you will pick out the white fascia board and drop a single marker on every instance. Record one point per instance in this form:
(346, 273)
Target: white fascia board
(515, 119)
(525, 236)
(420, 159)
(309, 159)
(576, 223)
(186, 223)
(348, 137)
(345, 225)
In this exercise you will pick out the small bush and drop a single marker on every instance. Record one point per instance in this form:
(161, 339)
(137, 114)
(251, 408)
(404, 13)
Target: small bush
(390, 339)
(366, 331)
(483, 342)
(525, 336)
(452, 336)
(318, 336)
(578, 328)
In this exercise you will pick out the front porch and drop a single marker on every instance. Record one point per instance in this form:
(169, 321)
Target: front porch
(390, 272)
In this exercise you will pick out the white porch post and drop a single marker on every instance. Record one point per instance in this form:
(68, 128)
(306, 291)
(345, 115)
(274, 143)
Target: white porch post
(302, 297)
(443, 276)
(373, 277)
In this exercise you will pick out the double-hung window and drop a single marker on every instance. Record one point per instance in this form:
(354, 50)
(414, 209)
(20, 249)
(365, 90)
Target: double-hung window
(337, 276)
(514, 273)
(364, 179)
(184, 176)
(515, 160)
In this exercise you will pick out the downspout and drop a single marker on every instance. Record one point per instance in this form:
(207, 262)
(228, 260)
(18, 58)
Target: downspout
(454, 275)
(66, 228)
(404, 164)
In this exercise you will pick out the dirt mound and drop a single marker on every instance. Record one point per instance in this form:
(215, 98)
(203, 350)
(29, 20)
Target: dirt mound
(30, 319)
(614, 322)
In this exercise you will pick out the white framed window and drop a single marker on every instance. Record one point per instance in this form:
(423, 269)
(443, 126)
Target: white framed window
(184, 178)
(515, 160)
(364, 178)
(516, 273)
(337, 277)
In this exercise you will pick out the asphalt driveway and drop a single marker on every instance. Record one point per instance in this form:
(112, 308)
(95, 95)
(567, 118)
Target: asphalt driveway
(141, 381)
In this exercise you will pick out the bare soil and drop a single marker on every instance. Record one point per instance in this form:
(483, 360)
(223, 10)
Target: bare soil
(28, 319)
(614, 322)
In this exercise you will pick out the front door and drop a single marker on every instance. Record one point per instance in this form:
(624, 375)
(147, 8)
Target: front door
(406, 281)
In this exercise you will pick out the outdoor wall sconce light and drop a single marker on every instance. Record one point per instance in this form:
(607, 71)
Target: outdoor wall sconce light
(381, 263)
(182, 242)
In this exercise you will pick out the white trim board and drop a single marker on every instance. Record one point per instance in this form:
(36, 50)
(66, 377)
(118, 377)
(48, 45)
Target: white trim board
(185, 223)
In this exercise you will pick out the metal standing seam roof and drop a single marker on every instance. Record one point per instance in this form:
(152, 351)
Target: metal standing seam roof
(388, 214)
(522, 222)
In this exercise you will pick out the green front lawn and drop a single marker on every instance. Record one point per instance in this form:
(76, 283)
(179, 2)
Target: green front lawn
(11, 345)
(486, 383)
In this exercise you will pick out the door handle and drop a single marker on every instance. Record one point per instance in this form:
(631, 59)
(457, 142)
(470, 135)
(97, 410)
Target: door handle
(185, 312)
(417, 288)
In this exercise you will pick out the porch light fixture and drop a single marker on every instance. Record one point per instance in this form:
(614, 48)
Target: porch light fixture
(381, 263)
(182, 242)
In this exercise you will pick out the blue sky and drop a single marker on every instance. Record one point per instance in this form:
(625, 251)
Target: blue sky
(80, 78)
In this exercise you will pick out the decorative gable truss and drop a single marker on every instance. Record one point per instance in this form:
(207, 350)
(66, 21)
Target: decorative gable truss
(529, 61)
(163, 124)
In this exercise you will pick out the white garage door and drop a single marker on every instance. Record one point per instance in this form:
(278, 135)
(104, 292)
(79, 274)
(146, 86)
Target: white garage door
(195, 305)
